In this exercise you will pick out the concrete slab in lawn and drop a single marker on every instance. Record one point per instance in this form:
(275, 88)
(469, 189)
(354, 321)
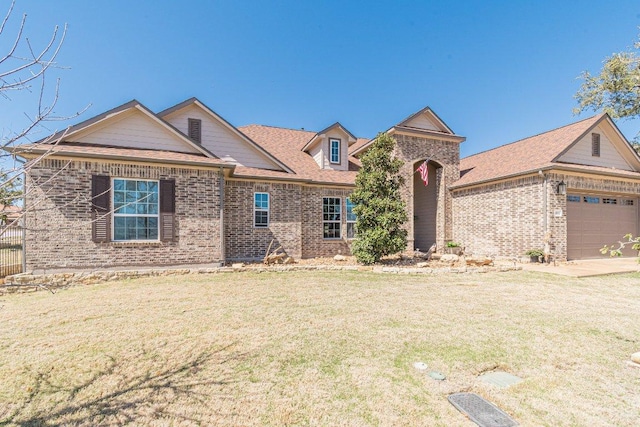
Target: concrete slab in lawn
(500, 379)
(588, 267)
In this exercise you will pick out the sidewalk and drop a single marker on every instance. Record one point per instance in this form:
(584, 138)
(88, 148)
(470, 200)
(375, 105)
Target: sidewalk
(588, 267)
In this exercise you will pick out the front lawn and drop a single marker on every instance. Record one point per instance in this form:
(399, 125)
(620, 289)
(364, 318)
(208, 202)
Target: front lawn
(320, 348)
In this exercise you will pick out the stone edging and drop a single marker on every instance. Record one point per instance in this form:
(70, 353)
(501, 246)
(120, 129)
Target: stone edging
(27, 282)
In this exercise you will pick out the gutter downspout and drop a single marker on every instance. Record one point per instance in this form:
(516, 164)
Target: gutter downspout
(222, 231)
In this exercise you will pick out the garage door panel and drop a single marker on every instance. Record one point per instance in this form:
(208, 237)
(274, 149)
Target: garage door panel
(590, 226)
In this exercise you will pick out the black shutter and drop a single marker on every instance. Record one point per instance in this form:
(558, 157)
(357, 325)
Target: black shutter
(167, 209)
(100, 215)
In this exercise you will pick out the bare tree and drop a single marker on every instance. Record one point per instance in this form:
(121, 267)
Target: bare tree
(24, 69)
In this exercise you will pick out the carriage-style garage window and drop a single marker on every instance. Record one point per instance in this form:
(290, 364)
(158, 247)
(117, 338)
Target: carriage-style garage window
(573, 198)
(331, 217)
(135, 209)
(591, 199)
(261, 210)
(627, 202)
(334, 150)
(609, 201)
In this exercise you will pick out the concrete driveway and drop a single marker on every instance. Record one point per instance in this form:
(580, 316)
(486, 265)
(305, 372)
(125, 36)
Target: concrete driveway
(588, 267)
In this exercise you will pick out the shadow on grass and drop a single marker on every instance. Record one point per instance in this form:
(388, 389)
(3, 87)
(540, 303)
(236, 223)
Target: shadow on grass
(133, 398)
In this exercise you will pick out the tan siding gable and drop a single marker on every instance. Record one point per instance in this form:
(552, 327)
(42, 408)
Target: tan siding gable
(134, 130)
(423, 122)
(316, 153)
(344, 147)
(580, 153)
(221, 141)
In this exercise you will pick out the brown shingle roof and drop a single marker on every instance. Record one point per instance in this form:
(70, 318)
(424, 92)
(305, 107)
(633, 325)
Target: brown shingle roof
(358, 144)
(286, 145)
(102, 151)
(526, 155)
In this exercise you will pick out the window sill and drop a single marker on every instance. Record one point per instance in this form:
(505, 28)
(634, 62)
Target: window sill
(138, 243)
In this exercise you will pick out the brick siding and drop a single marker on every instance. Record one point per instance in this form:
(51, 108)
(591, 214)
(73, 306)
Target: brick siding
(295, 221)
(413, 150)
(508, 218)
(59, 217)
(500, 219)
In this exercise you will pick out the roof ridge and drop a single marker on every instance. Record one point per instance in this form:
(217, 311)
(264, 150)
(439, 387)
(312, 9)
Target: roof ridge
(536, 135)
(277, 127)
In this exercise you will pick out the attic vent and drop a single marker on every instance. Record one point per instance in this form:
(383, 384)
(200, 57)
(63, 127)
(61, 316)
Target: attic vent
(195, 130)
(595, 144)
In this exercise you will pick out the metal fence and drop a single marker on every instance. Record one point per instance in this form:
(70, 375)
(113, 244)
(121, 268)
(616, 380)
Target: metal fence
(11, 250)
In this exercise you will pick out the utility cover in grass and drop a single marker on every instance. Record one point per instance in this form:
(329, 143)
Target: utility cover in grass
(500, 379)
(480, 411)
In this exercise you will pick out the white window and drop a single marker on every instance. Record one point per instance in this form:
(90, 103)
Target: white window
(334, 145)
(261, 210)
(135, 209)
(351, 219)
(331, 217)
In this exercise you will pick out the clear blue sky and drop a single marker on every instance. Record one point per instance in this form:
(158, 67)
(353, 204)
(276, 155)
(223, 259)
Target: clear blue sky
(494, 71)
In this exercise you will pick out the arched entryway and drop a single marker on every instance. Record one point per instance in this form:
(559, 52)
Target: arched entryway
(425, 207)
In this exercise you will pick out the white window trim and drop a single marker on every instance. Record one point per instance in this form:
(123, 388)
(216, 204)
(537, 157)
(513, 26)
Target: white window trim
(331, 141)
(346, 217)
(333, 221)
(268, 210)
(114, 214)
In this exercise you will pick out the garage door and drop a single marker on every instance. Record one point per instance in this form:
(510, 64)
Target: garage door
(596, 220)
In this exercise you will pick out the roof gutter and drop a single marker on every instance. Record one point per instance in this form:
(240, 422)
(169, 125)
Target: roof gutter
(560, 168)
(75, 154)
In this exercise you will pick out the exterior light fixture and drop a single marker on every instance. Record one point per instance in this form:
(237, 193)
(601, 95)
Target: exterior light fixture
(562, 188)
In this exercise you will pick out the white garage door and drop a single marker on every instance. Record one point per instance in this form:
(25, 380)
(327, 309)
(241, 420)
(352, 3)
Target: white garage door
(595, 220)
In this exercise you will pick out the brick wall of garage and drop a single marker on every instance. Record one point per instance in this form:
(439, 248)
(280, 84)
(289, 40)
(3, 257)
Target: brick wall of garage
(500, 219)
(59, 218)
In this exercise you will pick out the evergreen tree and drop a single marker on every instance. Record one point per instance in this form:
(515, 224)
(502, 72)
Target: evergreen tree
(380, 210)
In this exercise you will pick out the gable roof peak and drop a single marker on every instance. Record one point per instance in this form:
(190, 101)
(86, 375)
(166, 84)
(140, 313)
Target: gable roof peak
(427, 110)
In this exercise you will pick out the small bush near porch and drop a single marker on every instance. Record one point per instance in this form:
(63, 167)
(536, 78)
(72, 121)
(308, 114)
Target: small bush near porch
(320, 348)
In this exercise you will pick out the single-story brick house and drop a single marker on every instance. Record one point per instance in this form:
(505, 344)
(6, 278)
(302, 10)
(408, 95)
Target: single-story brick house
(134, 187)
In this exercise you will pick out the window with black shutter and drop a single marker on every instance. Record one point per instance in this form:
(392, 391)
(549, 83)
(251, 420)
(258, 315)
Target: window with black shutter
(195, 130)
(167, 209)
(100, 212)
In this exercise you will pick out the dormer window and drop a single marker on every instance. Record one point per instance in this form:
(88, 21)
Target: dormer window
(334, 150)
(195, 130)
(595, 144)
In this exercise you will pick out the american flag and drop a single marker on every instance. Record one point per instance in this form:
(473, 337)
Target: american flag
(424, 172)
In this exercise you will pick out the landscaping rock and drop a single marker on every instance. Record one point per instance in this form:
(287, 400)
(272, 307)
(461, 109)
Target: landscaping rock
(449, 258)
(422, 264)
(635, 357)
(339, 258)
(237, 265)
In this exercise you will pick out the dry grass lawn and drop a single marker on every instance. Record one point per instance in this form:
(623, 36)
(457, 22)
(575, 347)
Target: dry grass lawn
(320, 349)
